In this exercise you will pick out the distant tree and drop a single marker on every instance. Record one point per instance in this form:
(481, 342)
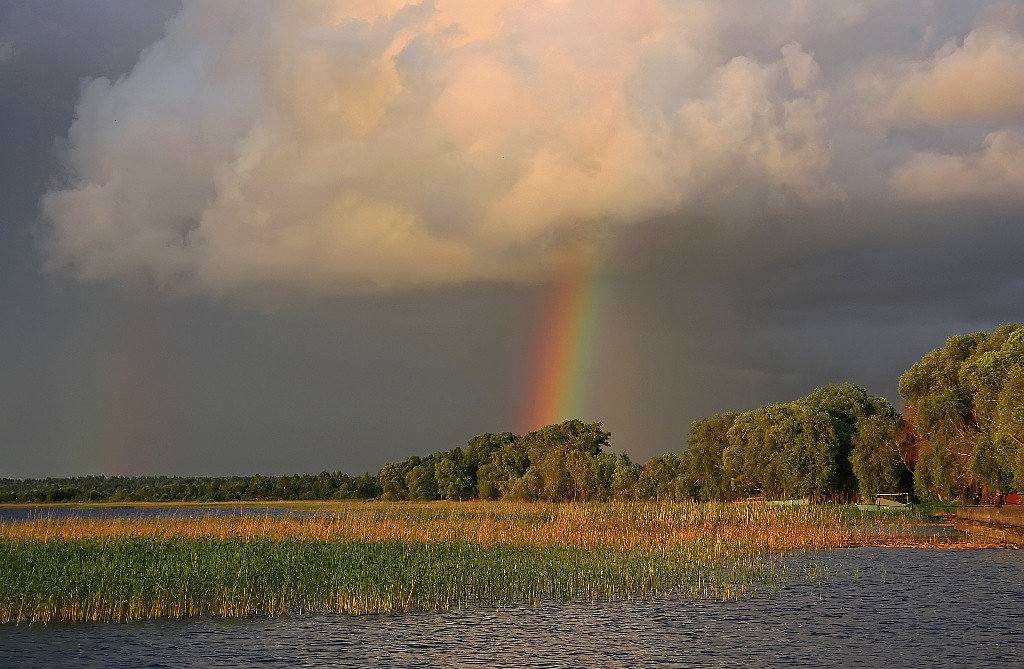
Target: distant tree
(283, 487)
(392, 482)
(489, 481)
(490, 460)
(702, 475)
(877, 458)
(421, 484)
(657, 480)
(624, 478)
(481, 448)
(550, 466)
(367, 486)
(569, 435)
(582, 470)
(453, 481)
(526, 488)
(603, 467)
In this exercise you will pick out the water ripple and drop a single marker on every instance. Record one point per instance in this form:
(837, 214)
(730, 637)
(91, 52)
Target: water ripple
(869, 607)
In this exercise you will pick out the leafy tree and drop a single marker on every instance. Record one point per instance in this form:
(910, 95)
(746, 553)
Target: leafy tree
(702, 474)
(965, 402)
(569, 435)
(481, 448)
(392, 481)
(625, 476)
(603, 467)
(657, 480)
(453, 482)
(582, 474)
(877, 459)
(488, 480)
(526, 488)
(420, 483)
(800, 449)
(550, 467)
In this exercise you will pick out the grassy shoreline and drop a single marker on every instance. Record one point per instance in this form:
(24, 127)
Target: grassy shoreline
(392, 557)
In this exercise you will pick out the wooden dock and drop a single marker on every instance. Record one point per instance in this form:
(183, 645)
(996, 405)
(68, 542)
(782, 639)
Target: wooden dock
(1009, 520)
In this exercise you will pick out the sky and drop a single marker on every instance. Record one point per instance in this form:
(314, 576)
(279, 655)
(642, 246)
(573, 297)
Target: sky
(278, 237)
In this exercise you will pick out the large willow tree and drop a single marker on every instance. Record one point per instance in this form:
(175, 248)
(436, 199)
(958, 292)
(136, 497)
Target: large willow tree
(838, 441)
(966, 401)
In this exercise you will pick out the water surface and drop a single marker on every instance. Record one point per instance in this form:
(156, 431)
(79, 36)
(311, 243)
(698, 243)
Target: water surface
(896, 531)
(867, 607)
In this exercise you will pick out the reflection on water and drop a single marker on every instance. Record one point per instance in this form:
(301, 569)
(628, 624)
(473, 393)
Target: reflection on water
(872, 607)
(938, 531)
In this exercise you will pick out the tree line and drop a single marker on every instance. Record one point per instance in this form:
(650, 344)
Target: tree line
(803, 454)
(838, 443)
(326, 485)
(960, 436)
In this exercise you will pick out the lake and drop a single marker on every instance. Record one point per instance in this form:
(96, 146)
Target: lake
(870, 607)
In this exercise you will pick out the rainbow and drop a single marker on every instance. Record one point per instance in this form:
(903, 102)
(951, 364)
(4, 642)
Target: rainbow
(116, 427)
(566, 343)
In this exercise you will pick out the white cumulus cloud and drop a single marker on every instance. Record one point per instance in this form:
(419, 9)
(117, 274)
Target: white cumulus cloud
(995, 171)
(979, 78)
(323, 146)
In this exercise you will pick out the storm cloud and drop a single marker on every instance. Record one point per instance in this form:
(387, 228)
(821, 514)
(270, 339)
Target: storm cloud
(773, 197)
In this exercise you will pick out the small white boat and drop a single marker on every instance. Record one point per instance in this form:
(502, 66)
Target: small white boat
(789, 502)
(890, 501)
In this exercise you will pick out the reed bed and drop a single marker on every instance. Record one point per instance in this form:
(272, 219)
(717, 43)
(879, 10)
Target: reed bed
(138, 578)
(373, 558)
(612, 525)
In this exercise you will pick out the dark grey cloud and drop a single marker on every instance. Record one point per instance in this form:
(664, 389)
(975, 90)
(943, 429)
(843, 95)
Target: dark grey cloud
(48, 46)
(743, 292)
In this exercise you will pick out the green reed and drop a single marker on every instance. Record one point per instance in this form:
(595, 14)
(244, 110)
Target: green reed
(392, 557)
(134, 578)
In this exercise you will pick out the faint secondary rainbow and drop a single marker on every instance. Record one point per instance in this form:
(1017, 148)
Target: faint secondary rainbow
(117, 421)
(560, 374)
